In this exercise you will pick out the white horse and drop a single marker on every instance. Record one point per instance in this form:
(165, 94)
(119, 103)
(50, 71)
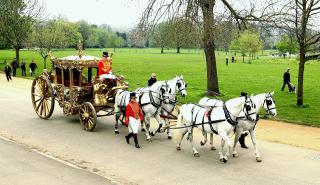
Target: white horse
(219, 120)
(264, 100)
(177, 85)
(149, 98)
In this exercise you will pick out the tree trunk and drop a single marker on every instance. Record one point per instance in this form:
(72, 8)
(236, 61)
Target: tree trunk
(300, 76)
(208, 39)
(18, 55)
(161, 49)
(178, 49)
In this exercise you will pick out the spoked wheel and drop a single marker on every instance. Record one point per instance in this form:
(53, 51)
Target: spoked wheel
(88, 116)
(42, 96)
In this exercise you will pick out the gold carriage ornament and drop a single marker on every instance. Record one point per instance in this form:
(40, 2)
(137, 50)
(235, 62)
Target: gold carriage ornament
(74, 83)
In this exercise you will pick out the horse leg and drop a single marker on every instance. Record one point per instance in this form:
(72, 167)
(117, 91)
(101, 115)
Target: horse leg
(236, 139)
(211, 142)
(225, 137)
(143, 129)
(147, 125)
(195, 152)
(167, 123)
(204, 141)
(117, 116)
(221, 150)
(183, 133)
(159, 127)
(254, 142)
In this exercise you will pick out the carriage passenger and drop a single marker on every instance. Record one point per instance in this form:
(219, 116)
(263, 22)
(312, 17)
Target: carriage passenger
(133, 119)
(105, 67)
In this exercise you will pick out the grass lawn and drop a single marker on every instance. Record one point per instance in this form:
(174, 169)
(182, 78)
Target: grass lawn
(263, 75)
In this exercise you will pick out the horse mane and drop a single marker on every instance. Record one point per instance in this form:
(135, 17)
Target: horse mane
(157, 85)
(235, 102)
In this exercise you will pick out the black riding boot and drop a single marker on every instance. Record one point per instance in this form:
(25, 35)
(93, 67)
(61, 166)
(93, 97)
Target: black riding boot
(135, 137)
(242, 140)
(128, 137)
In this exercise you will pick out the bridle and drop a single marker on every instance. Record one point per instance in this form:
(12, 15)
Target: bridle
(268, 103)
(248, 107)
(179, 85)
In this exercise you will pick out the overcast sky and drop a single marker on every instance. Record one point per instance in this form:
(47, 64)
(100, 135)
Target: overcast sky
(116, 13)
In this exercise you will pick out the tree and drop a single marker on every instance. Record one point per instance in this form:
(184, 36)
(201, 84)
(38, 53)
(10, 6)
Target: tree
(161, 35)
(16, 20)
(48, 35)
(248, 41)
(202, 12)
(303, 19)
(286, 44)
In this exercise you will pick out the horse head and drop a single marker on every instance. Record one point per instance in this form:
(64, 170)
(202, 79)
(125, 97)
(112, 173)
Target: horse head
(248, 109)
(181, 86)
(269, 104)
(165, 92)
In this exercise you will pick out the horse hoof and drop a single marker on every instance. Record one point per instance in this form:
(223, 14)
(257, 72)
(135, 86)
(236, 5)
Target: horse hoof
(221, 159)
(169, 137)
(196, 155)
(258, 159)
(143, 130)
(213, 148)
(224, 160)
(201, 143)
(151, 133)
(178, 148)
(235, 155)
(116, 132)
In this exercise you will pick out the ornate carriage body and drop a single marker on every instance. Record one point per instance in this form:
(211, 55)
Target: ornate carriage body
(73, 82)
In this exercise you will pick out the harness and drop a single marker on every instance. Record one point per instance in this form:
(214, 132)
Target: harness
(268, 103)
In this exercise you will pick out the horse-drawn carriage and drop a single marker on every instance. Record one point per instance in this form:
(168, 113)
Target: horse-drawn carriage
(73, 81)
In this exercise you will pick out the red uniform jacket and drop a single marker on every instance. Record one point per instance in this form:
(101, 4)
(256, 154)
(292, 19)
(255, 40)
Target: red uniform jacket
(133, 110)
(104, 67)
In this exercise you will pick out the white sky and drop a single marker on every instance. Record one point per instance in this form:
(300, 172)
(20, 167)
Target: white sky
(116, 13)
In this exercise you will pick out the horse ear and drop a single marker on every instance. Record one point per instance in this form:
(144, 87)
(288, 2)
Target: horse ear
(251, 96)
(272, 93)
(182, 76)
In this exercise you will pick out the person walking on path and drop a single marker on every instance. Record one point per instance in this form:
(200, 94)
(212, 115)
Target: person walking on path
(7, 70)
(14, 65)
(152, 80)
(23, 68)
(227, 61)
(133, 119)
(286, 79)
(33, 66)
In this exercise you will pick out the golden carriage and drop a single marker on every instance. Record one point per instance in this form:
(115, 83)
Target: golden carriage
(74, 83)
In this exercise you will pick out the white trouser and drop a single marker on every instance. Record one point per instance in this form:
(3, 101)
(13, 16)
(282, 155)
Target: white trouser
(108, 76)
(133, 125)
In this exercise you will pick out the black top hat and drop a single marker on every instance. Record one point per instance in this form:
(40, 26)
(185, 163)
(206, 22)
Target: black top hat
(243, 94)
(132, 95)
(105, 54)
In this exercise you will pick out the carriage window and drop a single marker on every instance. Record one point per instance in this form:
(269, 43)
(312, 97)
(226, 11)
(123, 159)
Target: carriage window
(76, 77)
(88, 74)
(58, 75)
(66, 75)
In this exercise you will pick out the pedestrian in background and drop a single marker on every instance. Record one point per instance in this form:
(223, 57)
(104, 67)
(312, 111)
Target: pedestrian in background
(7, 70)
(286, 79)
(33, 66)
(227, 61)
(14, 65)
(23, 67)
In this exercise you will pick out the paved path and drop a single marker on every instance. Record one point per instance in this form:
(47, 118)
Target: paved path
(106, 154)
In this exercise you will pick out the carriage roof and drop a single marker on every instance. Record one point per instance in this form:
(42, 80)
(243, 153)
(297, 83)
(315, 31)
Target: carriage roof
(78, 62)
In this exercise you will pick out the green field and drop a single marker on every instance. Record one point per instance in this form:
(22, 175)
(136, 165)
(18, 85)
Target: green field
(263, 75)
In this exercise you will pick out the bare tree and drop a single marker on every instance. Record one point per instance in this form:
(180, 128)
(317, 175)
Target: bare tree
(306, 23)
(204, 12)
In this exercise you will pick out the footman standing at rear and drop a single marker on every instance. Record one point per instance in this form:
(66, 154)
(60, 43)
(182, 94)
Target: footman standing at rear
(133, 119)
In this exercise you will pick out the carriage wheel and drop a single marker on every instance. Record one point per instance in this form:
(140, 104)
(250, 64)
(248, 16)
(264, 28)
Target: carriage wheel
(88, 116)
(42, 96)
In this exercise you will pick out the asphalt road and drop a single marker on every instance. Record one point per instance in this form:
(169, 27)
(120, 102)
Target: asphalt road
(20, 165)
(106, 154)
